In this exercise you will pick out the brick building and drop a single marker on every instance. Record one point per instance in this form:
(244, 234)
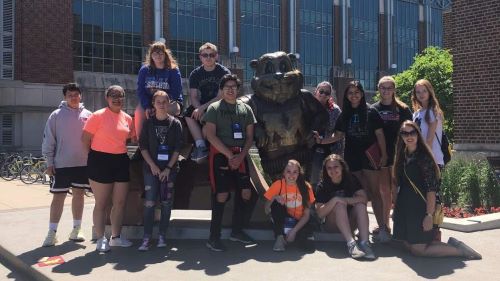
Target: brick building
(44, 44)
(472, 32)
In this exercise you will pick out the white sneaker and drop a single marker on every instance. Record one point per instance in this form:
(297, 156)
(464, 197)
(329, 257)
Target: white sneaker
(279, 244)
(102, 245)
(77, 234)
(119, 242)
(365, 247)
(51, 239)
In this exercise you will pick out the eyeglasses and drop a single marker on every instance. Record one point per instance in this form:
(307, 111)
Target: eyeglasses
(116, 97)
(324, 92)
(227, 88)
(386, 88)
(411, 133)
(210, 55)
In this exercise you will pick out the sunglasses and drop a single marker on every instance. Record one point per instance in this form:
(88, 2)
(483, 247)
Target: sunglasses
(411, 133)
(211, 55)
(324, 92)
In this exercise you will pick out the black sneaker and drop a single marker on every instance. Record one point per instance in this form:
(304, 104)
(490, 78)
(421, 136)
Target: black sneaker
(241, 237)
(216, 245)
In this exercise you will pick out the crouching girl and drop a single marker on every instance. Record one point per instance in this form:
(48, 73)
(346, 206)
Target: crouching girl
(289, 202)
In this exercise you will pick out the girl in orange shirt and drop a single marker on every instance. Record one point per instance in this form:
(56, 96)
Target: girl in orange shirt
(289, 202)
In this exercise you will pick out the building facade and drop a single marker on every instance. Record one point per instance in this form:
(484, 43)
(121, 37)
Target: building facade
(45, 44)
(472, 32)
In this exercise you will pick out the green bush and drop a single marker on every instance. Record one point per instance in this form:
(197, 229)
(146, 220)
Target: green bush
(470, 182)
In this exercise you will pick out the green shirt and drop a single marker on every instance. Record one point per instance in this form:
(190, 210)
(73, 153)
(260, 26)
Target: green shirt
(224, 115)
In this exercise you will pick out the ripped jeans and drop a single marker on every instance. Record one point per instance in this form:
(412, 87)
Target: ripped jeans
(155, 190)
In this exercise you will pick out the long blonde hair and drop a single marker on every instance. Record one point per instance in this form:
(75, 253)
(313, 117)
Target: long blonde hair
(433, 101)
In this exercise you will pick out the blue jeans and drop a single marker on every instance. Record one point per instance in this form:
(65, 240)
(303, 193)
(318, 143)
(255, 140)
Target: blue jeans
(155, 190)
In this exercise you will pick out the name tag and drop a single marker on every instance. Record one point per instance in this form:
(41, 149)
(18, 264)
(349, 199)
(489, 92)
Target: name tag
(163, 152)
(163, 157)
(237, 131)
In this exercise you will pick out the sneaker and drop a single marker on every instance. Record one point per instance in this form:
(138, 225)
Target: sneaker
(366, 247)
(279, 244)
(199, 154)
(161, 242)
(354, 251)
(145, 244)
(77, 234)
(467, 251)
(382, 236)
(51, 239)
(119, 242)
(241, 237)
(216, 245)
(102, 245)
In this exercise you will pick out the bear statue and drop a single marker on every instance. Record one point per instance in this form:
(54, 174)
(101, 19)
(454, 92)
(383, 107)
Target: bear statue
(286, 114)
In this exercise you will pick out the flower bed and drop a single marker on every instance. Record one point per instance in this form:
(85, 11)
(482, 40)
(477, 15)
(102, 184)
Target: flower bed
(458, 212)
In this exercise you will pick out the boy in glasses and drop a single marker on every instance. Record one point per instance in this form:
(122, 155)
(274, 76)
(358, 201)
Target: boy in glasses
(203, 90)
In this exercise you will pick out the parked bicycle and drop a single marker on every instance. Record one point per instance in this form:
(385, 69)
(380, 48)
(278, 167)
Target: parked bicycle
(32, 173)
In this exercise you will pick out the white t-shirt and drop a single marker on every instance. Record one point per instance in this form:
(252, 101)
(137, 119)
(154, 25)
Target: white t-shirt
(419, 118)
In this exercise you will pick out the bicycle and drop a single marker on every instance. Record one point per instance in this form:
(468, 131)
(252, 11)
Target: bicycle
(35, 172)
(11, 167)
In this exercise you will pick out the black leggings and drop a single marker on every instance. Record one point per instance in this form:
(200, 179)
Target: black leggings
(279, 213)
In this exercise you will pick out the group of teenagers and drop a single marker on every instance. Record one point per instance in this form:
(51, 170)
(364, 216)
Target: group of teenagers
(87, 150)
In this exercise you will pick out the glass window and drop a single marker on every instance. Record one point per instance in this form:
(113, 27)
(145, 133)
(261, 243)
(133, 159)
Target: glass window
(316, 40)
(364, 41)
(192, 23)
(117, 24)
(405, 29)
(259, 31)
(436, 27)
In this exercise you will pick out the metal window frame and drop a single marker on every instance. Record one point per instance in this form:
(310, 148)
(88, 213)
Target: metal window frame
(7, 17)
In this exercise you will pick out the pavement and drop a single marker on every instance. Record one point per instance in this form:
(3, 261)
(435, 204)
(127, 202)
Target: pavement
(24, 212)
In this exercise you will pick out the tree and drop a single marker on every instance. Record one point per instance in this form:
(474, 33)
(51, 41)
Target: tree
(435, 65)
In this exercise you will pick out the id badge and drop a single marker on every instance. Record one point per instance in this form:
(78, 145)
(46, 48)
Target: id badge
(163, 152)
(237, 131)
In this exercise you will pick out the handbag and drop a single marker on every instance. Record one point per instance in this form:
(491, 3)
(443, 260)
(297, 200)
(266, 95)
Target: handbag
(373, 154)
(438, 216)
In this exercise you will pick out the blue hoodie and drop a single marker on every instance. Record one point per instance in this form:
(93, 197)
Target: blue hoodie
(62, 138)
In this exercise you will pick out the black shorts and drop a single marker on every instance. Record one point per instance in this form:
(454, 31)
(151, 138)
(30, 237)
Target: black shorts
(71, 177)
(225, 179)
(189, 111)
(108, 168)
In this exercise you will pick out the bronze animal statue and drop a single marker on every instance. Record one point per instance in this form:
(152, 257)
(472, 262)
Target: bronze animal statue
(286, 114)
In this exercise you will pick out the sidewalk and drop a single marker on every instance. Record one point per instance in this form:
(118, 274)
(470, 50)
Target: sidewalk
(24, 225)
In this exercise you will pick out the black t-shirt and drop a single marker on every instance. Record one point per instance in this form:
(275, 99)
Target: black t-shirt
(328, 190)
(357, 135)
(393, 117)
(207, 82)
(155, 132)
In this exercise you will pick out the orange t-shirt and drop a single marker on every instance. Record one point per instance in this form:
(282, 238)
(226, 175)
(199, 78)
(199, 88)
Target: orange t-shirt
(110, 131)
(292, 197)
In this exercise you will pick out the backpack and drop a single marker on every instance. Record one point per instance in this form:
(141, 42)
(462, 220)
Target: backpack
(445, 147)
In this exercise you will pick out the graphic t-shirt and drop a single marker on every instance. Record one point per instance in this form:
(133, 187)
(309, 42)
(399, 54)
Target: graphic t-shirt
(393, 117)
(291, 195)
(358, 136)
(329, 190)
(110, 130)
(161, 132)
(419, 118)
(149, 80)
(207, 82)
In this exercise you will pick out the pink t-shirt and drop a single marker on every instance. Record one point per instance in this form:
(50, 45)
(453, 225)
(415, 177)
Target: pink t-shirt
(110, 131)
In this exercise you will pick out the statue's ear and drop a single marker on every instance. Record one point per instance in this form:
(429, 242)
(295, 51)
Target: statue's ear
(253, 64)
(292, 57)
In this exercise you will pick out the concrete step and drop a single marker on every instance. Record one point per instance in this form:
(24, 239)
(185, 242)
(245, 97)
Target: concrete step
(195, 224)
